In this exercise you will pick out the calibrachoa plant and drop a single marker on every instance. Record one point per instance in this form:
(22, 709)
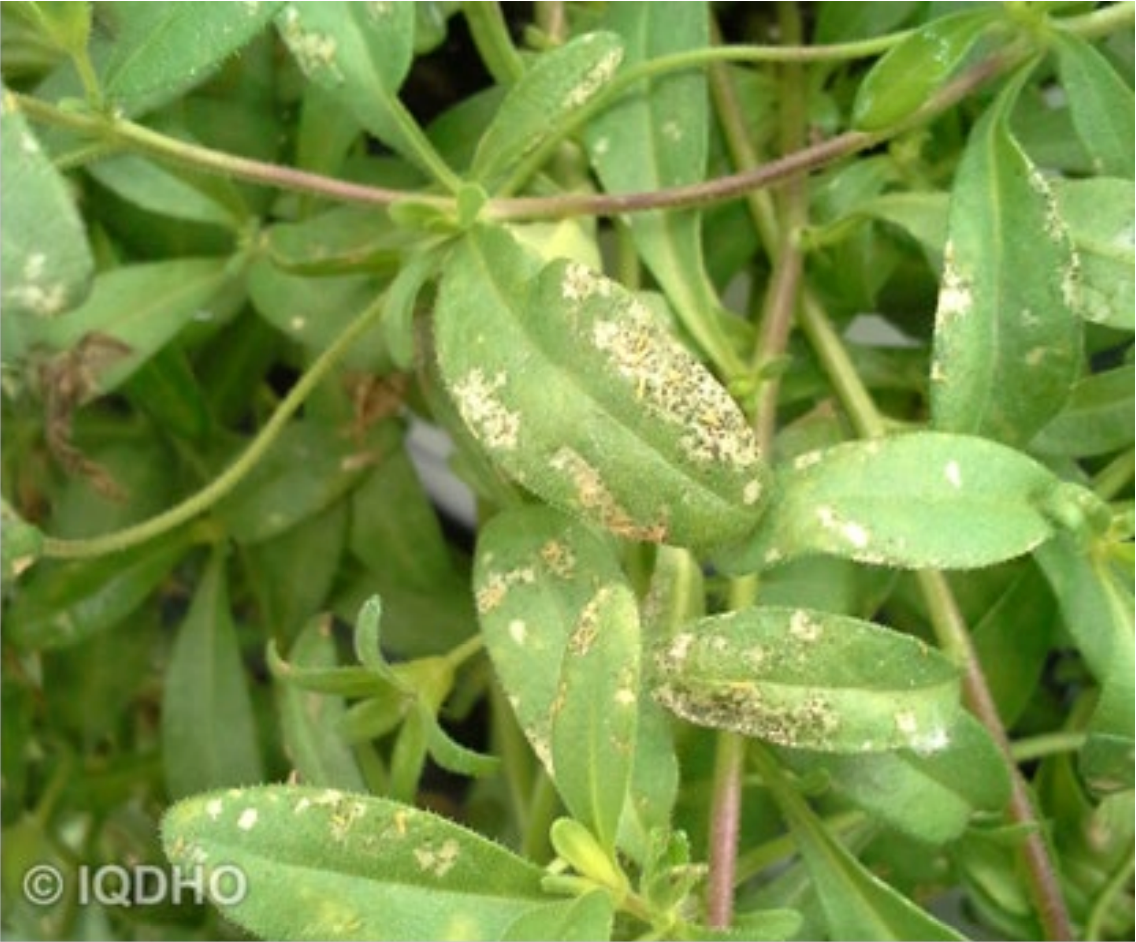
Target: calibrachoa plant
(786, 351)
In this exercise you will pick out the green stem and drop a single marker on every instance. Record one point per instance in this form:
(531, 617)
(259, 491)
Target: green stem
(1109, 19)
(1115, 476)
(552, 19)
(1121, 877)
(232, 476)
(1038, 747)
(464, 651)
(841, 371)
(494, 44)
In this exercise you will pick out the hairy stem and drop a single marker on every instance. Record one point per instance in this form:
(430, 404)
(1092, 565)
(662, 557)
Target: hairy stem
(236, 472)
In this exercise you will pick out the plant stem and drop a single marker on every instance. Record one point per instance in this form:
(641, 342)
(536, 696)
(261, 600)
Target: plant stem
(231, 476)
(1100, 22)
(1037, 747)
(839, 368)
(726, 799)
(494, 44)
(954, 637)
(802, 161)
(788, 262)
(725, 821)
(1108, 482)
(552, 20)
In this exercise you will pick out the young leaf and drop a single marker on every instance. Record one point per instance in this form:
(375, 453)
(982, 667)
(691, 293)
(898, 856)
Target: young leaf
(914, 70)
(1101, 221)
(810, 680)
(140, 308)
(1007, 346)
(856, 904)
(46, 263)
(326, 864)
(930, 796)
(561, 625)
(1101, 103)
(919, 500)
(62, 603)
(575, 389)
(310, 721)
(656, 136)
(559, 83)
(161, 50)
(209, 734)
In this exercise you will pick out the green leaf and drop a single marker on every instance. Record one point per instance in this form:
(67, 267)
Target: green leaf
(583, 918)
(157, 189)
(1096, 601)
(451, 755)
(361, 53)
(63, 603)
(582, 396)
(325, 864)
(342, 240)
(842, 22)
(395, 533)
(166, 388)
(161, 50)
(1101, 103)
(1106, 761)
(1007, 346)
(929, 796)
(308, 467)
(856, 903)
(1097, 420)
(1101, 221)
(918, 500)
(139, 308)
(594, 716)
(67, 25)
(397, 325)
(656, 136)
(314, 311)
(810, 680)
(559, 83)
(209, 734)
(46, 263)
(293, 573)
(310, 721)
(1013, 639)
(915, 69)
(561, 625)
